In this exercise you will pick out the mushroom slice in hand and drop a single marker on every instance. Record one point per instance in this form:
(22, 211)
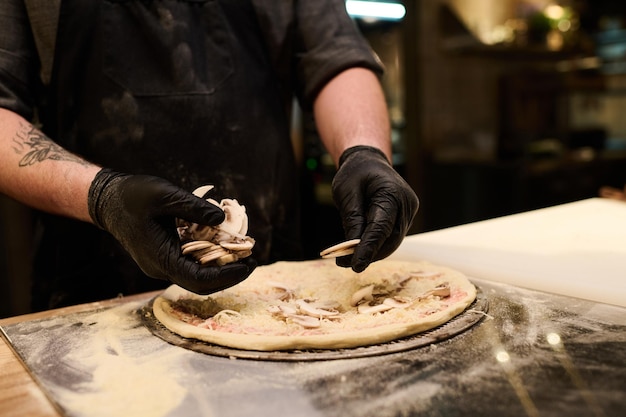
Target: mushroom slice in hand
(202, 190)
(236, 222)
(197, 245)
(226, 259)
(229, 239)
(340, 249)
(246, 244)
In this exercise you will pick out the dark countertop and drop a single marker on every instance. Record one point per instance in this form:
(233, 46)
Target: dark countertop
(534, 354)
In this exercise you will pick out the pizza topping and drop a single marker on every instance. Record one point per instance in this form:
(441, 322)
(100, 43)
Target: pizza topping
(236, 220)
(364, 294)
(312, 305)
(304, 321)
(381, 302)
(402, 281)
(370, 299)
(442, 290)
(340, 249)
(225, 313)
(284, 292)
(238, 245)
(204, 309)
(368, 308)
(392, 285)
(318, 309)
(306, 313)
(282, 310)
(221, 244)
(290, 313)
(425, 274)
(398, 302)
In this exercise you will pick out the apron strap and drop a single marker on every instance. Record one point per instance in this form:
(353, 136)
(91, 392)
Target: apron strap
(44, 18)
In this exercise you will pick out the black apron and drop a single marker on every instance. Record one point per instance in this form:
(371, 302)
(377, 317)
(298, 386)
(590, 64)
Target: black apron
(181, 89)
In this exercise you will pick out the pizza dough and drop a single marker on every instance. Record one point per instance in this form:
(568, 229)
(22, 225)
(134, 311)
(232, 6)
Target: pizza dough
(318, 305)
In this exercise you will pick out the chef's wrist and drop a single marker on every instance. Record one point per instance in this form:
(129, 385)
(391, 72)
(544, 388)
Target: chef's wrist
(370, 150)
(99, 194)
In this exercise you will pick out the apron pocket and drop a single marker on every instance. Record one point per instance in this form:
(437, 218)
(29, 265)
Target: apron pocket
(166, 47)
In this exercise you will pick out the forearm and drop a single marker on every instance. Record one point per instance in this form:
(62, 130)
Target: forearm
(351, 110)
(39, 173)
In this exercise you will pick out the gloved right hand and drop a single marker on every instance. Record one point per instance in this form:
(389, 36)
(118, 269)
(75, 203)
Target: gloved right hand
(375, 203)
(140, 212)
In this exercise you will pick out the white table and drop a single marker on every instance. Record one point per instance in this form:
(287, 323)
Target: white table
(576, 249)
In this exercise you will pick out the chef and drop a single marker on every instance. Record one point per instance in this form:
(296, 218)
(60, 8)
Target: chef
(112, 111)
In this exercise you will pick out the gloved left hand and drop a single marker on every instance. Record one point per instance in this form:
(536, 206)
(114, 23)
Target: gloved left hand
(375, 203)
(140, 212)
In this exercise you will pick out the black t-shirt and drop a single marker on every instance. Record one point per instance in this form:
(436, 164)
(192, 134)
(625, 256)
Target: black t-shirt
(197, 92)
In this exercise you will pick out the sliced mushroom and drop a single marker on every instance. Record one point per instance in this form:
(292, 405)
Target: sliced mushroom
(236, 221)
(284, 292)
(194, 231)
(340, 249)
(442, 290)
(212, 255)
(202, 190)
(393, 285)
(398, 302)
(403, 280)
(282, 310)
(316, 309)
(304, 321)
(238, 245)
(226, 259)
(371, 309)
(363, 294)
(274, 309)
(197, 245)
(425, 274)
(229, 237)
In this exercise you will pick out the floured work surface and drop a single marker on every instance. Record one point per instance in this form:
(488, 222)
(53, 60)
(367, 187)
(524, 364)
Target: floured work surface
(534, 352)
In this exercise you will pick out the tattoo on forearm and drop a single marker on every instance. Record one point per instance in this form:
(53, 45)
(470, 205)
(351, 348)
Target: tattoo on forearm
(36, 147)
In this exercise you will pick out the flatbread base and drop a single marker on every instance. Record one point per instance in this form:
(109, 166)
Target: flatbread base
(253, 327)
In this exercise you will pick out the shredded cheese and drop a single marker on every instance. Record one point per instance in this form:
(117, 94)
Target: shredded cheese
(248, 304)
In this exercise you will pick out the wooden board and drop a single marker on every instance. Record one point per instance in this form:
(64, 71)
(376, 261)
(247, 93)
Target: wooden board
(19, 393)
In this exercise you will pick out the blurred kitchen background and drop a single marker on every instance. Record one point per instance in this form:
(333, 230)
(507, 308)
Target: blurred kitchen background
(497, 107)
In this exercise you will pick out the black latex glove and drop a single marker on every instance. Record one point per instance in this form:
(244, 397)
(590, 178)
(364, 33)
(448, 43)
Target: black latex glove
(140, 212)
(375, 203)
